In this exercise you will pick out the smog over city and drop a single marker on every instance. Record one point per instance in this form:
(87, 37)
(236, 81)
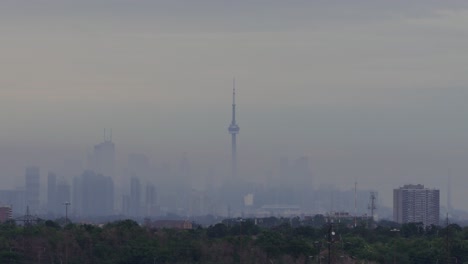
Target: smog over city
(125, 109)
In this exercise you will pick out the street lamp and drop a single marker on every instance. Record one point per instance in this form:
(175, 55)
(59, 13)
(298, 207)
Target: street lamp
(66, 211)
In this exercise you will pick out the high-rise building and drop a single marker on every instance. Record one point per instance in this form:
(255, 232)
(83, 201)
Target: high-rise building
(51, 193)
(95, 194)
(63, 195)
(233, 130)
(414, 203)
(77, 200)
(104, 157)
(150, 200)
(32, 189)
(135, 197)
(125, 205)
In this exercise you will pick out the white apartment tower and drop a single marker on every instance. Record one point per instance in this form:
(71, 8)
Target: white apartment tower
(414, 203)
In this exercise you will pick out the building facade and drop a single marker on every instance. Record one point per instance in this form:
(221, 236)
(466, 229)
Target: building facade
(135, 197)
(93, 195)
(32, 189)
(51, 193)
(63, 196)
(414, 204)
(5, 213)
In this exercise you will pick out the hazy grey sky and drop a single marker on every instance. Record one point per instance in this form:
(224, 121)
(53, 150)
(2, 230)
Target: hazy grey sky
(370, 90)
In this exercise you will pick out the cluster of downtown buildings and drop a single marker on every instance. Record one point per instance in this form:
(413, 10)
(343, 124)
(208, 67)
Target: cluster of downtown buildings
(92, 194)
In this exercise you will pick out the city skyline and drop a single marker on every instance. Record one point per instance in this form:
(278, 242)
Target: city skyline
(372, 91)
(291, 187)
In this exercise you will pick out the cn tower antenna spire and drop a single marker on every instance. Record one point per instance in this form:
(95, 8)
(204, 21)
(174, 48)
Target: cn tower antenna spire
(234, 130)
(233, 91)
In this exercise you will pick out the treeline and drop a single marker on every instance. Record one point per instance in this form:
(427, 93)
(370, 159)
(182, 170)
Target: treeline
(269, 240)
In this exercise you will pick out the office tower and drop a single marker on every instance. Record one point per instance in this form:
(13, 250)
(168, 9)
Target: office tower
(233, 130)
(76, 202)
(135, 198)
(51, 193)
(108, 195)
(63, 195)
(32, 188)
(104, 157)
(150, 200)
(95, 194)
(414, 203)
(126, 205)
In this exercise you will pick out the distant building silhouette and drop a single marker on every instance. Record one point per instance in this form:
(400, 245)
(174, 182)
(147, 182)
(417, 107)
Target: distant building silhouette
(76, 201)
(414, 203)
(93, 195)
(63, 195)
(150, 200)
(103, 159)
(126, 205)
(135, 197)
(32, 189)
(51, 193)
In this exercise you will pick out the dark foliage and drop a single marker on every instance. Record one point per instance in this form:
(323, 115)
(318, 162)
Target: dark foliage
(236, 241)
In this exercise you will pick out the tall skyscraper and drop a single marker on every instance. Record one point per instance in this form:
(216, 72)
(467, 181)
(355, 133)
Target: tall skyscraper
(414, 203)
(104, 157)
(32, 189)
(51, 193)
(135, 197)
(94, 194)
(77, 200)
(233, 130)
(63, 195)
(150, 200)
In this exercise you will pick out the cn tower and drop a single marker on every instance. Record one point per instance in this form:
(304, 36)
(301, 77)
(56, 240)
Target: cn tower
(233, 130)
